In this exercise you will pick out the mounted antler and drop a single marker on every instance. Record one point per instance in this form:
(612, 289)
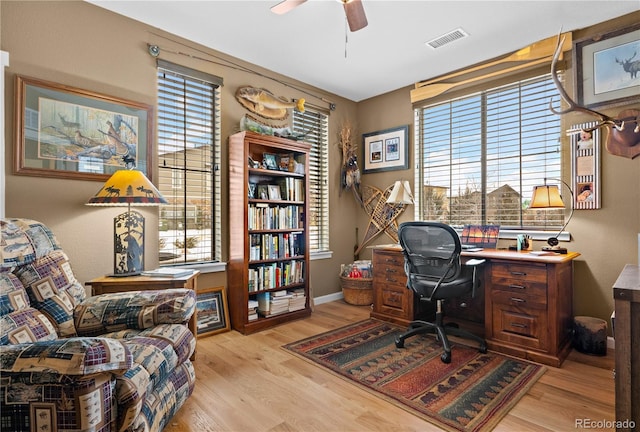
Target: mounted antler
(623, 139)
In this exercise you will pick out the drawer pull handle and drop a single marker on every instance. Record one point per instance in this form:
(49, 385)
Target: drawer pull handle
(390, 270)
(518, 325)
(515, 273)
(518, 286)
(392, 279)
(518, 300)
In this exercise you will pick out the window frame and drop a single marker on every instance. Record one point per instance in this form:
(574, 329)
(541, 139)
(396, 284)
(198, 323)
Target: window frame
(537, 232)
(193, 77)
(313, 124)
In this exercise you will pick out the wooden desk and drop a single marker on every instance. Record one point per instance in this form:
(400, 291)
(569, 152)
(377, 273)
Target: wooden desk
(626, 293)
(107, 284)
(525, 303)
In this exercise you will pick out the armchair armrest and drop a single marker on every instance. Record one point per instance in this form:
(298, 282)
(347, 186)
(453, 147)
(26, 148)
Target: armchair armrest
(73, 356)
(133, 310)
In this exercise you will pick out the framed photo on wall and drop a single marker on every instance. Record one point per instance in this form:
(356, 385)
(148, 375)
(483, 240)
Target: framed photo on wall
(386, 150)
(67, 132)
(213, 312)
(606, 67)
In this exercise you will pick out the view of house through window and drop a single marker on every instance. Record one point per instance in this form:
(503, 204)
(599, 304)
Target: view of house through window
(315, 128)
(480, 156)
(188, 155)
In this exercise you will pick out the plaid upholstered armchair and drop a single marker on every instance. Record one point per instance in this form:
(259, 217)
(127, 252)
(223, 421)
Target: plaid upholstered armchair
(115, 362)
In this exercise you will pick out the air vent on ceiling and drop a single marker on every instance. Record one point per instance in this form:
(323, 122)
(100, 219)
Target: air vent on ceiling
(446, 38)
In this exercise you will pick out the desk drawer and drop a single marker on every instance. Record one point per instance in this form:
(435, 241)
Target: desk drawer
(520, 326)
(519, 299)
(514, 272)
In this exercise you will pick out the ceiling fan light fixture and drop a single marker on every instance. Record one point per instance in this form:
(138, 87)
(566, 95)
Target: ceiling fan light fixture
(447, 38)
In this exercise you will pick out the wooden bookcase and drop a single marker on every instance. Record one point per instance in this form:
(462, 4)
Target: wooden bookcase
(268, 234)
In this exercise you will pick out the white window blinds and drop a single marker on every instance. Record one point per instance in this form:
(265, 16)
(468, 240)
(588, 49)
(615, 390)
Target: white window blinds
(315, 128)
(480, 156)
(188, 154)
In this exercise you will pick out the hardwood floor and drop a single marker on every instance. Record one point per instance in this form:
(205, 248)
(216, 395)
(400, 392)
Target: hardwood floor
(249, 383)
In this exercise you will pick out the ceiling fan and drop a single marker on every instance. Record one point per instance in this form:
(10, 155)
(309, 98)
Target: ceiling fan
(353, 9)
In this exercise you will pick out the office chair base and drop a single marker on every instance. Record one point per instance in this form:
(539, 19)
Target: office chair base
(441, 331)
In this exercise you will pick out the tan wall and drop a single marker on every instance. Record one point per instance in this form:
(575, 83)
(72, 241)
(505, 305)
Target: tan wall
(607, 238)
(81, 45)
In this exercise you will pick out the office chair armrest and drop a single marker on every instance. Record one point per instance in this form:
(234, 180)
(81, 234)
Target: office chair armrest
(474, 263)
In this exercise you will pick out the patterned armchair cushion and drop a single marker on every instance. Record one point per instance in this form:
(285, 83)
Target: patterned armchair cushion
(72, 404)
(19, 322)
(133, 310)
(24, 241)
(53, 289)
(73, 356)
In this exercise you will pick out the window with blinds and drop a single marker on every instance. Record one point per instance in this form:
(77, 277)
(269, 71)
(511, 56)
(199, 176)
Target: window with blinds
(315, 128)
(188, 155)
(480, 156)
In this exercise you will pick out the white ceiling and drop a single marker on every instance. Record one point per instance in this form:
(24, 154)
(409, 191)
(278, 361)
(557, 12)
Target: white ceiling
(308, 43)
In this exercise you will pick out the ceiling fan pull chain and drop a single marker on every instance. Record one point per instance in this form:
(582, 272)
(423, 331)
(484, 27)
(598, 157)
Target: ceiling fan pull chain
(346, 37)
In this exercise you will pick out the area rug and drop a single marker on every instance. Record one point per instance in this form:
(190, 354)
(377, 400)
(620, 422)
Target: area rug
(472, 393)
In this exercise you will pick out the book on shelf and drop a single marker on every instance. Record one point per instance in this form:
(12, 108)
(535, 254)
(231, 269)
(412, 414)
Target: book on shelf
(167, 272)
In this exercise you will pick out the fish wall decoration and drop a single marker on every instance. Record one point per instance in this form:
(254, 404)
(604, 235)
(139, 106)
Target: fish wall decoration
(265, 104)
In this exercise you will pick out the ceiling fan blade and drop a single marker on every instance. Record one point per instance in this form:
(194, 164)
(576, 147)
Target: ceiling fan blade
(355, 14)
(285, 6)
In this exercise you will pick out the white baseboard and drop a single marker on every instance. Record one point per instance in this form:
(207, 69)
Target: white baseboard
(611, 342)
(328, 298)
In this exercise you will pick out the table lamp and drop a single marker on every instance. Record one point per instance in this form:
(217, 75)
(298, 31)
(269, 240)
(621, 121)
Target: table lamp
(401, 193)
(548, 197)
(128, 187)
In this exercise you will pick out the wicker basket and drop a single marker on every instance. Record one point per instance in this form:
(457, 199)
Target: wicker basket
(357, 291)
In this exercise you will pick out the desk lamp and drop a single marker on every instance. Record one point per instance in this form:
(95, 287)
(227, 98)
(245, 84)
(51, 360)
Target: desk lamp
(128, 187)
(548, 197)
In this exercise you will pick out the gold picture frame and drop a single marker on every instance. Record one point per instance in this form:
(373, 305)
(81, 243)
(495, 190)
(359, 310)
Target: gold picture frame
(213, 312)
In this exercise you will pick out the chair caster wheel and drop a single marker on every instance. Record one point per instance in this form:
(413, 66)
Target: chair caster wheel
(483, 349)
(446, 357)
(399, 343)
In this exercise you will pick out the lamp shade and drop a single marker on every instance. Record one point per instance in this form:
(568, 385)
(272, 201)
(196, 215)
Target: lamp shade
(127, 187)
(401, 193)
(546, 197)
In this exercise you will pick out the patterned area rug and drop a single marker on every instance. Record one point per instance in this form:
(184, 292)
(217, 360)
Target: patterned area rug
(472, 393)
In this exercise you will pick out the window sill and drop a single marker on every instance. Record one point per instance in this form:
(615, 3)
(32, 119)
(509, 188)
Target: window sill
(320, 255)
(212, 267)
(535, 235)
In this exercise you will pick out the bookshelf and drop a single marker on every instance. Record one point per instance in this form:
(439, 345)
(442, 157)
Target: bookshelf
(268, 269)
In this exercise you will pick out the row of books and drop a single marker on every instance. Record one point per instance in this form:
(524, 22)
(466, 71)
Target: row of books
(291, 189)
(275, 303)
(262, 216)
(275, 246)
(275, 275)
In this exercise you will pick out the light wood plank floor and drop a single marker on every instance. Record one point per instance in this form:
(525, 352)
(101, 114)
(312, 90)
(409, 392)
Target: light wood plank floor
(249, 383)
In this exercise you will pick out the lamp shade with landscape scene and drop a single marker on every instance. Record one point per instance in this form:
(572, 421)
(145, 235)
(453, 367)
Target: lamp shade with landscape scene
(127, 188)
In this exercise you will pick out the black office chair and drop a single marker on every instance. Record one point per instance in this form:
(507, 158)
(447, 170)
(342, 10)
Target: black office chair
(435, 273)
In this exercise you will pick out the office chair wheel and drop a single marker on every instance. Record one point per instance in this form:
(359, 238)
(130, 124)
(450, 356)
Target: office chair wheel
(446, 357)
(399, 343)
(483, 348)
